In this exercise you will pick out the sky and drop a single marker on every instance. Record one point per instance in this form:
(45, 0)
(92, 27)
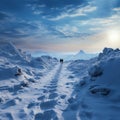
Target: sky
(60, 25)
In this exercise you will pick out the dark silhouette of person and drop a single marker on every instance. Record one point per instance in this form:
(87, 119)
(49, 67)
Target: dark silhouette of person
(61, 60)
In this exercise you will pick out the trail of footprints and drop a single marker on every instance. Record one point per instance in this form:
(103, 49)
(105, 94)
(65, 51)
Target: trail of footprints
(45, 104)
(48, 100)
(44, 107)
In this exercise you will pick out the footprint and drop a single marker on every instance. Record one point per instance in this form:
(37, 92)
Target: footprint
(38, 116)
(11, 103)
(47, 115)
(48, 104)
(52, 90)
(53, 95)
(6, 116)
(71, 77)
(52, 86)
(63, 96)
(33, 104)
(45, 91)
(71, 100)
(41, 97)
(22, 114)
(46, 86)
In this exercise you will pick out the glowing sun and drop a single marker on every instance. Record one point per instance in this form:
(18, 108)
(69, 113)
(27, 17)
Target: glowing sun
(113, 36)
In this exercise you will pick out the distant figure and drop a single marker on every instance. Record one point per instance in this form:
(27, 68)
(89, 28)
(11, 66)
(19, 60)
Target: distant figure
(61, 60)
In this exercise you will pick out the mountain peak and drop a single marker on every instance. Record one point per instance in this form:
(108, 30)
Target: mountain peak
(81, 52)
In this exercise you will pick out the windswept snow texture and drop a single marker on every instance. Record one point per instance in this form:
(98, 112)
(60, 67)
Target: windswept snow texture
(32, 88)
(97, 94)
(44, 89)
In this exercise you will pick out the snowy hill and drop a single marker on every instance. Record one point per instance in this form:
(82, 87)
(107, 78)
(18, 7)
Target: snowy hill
(12, 59)
(97, 93)
(43, 62)
(11, 54)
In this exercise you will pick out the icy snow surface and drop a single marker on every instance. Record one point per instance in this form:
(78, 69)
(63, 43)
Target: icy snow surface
(44, 89)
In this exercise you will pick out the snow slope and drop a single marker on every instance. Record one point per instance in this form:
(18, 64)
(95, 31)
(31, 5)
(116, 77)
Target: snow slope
(12, 58)
(37, 93)
(43, 89)
(97, 94)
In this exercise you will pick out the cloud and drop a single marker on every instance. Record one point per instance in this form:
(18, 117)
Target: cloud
(76, 12)
(16, 29)
(57, 4)
(48, 24)
(3, 16)
(69, 31)
(105, 7)
(117, 10)
(54, 8)
(57, 10)
(102, 24)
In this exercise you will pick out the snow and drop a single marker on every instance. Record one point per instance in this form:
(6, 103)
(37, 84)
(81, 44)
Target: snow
(43, 89)
(97, 93)
(81, 55)
(95, 71)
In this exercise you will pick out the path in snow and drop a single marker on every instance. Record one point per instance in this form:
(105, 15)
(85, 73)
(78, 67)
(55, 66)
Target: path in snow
(46, 99)
(55, 95)
(49, 97)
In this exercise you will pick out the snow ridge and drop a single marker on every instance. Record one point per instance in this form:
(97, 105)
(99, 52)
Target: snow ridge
(97, 93)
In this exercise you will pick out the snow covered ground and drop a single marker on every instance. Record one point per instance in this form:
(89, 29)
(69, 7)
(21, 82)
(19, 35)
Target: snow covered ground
(44, 89)
(97, 95)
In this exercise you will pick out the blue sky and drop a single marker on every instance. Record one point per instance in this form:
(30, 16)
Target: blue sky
(61, 26)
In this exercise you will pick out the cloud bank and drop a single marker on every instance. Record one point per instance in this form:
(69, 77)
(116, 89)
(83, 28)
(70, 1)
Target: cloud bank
(54, 25)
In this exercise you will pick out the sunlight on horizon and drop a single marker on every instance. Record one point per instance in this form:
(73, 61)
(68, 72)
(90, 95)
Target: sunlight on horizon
(113, 37)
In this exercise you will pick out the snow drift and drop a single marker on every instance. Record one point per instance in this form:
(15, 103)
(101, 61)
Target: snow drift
(97, 93)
